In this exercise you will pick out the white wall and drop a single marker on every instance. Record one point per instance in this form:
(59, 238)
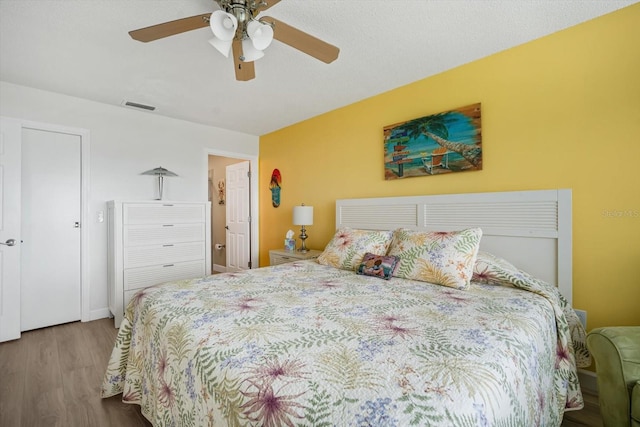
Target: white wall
(124, 143)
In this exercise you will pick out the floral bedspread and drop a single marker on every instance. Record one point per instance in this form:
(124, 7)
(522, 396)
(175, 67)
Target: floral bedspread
(302, 344)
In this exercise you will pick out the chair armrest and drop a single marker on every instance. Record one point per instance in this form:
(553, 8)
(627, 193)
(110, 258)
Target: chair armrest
(616, 351)
(635, 405)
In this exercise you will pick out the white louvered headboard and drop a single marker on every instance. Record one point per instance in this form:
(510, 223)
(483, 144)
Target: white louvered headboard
(531, 229)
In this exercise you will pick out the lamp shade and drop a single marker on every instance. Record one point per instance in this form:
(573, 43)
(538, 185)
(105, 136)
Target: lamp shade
(303, 215)
(261, 35)
(223, 25)
(249, 52)
(159, 171)
(223, 46)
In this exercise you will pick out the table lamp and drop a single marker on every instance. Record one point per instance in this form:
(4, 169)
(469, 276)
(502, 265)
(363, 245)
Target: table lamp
(303, 215)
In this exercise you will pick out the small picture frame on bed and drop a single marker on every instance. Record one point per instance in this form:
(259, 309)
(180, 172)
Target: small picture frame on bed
(381, 266)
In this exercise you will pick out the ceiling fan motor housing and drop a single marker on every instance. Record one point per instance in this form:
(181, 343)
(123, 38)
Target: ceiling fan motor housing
(242, 10)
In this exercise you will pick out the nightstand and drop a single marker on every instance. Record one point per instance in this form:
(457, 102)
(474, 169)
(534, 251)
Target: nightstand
(281, 256)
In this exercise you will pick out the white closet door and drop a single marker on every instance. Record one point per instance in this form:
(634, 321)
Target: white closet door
(9, 229)
(50, 267)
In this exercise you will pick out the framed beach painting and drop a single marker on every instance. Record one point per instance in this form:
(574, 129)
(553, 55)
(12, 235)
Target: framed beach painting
(433, 145)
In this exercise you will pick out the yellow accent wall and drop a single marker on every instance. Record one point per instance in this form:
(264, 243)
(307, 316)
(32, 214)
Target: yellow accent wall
(562, 111)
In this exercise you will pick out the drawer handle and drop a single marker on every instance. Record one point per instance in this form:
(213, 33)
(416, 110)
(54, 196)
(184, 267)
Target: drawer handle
(168, 265)
(164, 246)
(165, 204)
(167, 225)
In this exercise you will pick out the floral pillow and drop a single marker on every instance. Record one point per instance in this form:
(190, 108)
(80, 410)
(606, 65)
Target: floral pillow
(348, 246)
(443, 258)
(377, 265)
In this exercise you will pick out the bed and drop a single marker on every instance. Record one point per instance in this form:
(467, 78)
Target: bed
(317, 343)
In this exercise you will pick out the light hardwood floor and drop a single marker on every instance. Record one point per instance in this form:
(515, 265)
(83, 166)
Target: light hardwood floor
(589, 416)
(52, 376)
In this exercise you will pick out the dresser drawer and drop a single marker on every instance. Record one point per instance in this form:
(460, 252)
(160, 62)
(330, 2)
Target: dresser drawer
(136, 278)
(277, 257)
(140, 256)
(139, 235)
(141, 213)
(282, 259)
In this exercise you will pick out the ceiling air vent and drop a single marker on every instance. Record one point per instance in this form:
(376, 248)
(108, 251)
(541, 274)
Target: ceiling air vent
(137, 105)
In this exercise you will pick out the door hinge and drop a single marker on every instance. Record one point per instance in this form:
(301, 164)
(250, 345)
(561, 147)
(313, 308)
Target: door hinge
(249, 219)
(248, 174)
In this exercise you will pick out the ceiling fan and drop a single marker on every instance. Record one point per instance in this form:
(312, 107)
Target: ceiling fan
(236, 27)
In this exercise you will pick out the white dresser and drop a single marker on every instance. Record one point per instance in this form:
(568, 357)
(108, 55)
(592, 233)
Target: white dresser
(154, 242)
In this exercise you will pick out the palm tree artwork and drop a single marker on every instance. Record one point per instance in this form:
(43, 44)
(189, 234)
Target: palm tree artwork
(437, 144)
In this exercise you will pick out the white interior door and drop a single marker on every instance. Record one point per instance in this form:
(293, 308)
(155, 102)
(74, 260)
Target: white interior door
(51, 211)
(238, 235)
(9, 229)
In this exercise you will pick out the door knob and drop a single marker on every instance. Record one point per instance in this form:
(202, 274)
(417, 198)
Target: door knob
(10, 242)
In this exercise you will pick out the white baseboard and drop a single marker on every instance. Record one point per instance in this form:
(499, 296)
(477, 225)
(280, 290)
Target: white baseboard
(219, 268)
(100, 313)
(588, 381)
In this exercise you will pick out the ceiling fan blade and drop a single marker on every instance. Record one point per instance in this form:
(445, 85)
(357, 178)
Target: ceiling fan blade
(244, 70)
(266, 4)
(170, 28)
(302, 41)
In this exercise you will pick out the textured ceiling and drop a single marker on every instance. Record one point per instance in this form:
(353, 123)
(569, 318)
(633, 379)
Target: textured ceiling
(81, 48)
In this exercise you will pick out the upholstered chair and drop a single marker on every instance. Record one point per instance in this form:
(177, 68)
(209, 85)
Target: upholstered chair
(616, 351)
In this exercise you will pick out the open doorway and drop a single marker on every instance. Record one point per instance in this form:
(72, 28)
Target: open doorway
(217, 185)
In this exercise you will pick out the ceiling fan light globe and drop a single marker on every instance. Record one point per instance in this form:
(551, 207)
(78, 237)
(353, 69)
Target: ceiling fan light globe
(222, 46)
(223, 25)
(261, 35)
(250, 53)
(227, 23)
